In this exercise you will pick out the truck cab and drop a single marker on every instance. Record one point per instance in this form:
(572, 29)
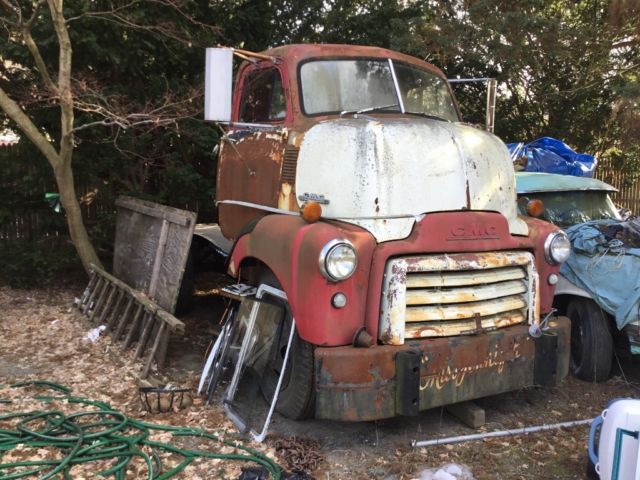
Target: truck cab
(347, 179)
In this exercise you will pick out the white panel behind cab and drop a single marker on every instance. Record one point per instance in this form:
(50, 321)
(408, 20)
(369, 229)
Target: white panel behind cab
(218, 84)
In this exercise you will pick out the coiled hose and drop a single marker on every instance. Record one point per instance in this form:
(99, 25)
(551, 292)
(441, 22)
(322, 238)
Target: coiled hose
(112, 436)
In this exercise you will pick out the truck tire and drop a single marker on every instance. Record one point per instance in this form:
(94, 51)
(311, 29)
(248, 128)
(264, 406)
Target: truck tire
(297, 396)
(297, 393)
(591, 341)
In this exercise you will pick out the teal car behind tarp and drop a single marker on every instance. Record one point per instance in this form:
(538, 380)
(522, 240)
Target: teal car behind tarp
(568, 200)
(589, 291)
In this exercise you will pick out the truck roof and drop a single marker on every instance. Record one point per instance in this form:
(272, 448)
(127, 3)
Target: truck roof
(300, 52)
(529, 182)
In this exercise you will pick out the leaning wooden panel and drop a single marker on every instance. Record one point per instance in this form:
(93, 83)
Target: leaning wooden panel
(151, 249)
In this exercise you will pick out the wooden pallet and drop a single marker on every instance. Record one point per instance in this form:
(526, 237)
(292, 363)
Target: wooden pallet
(129, 316)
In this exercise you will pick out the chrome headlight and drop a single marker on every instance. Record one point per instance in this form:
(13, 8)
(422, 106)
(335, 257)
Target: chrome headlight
(557, 248)
(338, 260)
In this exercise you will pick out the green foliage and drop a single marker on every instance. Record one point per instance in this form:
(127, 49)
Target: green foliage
(625, 162)
(30, 263)
(559, 73)
(145, 58)
(24, 187)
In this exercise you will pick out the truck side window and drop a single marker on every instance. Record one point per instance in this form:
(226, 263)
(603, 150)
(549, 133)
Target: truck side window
(263, 97)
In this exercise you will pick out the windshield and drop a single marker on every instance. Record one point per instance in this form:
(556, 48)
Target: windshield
(565, 209)
(334, 86)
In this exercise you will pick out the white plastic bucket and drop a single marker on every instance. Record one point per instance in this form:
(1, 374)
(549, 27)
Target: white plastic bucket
(618, 446)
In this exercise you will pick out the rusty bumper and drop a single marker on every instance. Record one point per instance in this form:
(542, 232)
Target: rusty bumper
(358, 384)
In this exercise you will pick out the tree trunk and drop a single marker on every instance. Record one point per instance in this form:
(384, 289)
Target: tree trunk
(75, 223)
(64, 179)
(62, 169)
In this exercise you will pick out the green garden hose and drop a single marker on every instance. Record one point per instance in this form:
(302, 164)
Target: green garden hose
(108, 435)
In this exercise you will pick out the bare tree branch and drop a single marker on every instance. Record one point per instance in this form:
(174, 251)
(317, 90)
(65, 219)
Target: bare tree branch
(12, 8)
(34, 15)
(24, 29)
(15, 113)
(117, 110)
(37, 57)
(90, 99)
(122, 15)
(64, 79)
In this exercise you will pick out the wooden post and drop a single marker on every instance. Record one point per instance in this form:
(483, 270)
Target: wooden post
(469, 413)
(108, 305)
(135, 326)
(101, 299)
(116, 310)
(144, 338)
(122, 322)
(98, 286)
(154, 349)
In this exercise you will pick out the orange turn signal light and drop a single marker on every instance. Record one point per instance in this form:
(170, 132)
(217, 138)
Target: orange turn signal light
(311, 212)
(535, 208)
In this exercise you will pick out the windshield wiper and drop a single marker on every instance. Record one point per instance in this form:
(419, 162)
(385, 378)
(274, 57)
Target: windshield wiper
(427, 115)
(368, 109)
(385, 107)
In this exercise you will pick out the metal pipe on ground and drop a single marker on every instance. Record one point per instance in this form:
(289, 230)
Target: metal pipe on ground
(499, 433)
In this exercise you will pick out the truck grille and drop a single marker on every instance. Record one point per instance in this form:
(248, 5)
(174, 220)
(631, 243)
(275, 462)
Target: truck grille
(457, 294)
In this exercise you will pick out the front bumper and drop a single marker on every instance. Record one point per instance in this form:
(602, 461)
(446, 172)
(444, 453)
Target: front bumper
(359, 384)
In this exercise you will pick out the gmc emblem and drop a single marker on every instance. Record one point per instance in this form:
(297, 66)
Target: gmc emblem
(473, 232)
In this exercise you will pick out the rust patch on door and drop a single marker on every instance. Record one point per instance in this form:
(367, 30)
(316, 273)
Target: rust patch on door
(249, 170)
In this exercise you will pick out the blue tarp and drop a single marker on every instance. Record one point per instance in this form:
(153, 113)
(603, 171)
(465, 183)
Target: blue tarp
(606, 268)
(549, 155)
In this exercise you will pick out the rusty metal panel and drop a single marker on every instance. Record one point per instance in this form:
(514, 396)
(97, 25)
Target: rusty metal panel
(486, 290)
(463, 368)
(465, 310)
(456, 279)
(466, 294)
(357, 384)
(151, 248)
(467, 261)
(463, 327)
(249, 169)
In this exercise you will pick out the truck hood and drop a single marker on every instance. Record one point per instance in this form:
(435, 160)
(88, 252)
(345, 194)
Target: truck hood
(386, 174)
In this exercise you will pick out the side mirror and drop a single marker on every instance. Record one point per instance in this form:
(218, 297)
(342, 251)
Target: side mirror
(490, 114)
(218, 84)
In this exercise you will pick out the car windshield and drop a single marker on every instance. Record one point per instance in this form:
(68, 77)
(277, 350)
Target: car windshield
(335, 86)
(565, 209)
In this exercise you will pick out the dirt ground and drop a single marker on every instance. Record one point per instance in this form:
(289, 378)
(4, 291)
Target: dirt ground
(42, 337)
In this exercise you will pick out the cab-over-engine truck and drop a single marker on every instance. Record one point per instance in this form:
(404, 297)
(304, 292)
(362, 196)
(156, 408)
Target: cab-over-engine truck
(346, 179)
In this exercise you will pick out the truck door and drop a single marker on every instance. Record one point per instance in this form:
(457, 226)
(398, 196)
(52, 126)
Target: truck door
(251, 156)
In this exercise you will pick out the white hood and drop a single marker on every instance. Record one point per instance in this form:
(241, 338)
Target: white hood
(384, 174)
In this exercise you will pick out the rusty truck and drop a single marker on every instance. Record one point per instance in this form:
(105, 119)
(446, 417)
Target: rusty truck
(347, 180)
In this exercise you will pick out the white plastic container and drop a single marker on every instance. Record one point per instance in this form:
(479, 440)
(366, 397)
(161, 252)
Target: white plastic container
(618, 446)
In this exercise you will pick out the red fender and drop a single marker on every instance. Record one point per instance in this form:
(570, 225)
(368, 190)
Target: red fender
(539, 230)
(291, 248)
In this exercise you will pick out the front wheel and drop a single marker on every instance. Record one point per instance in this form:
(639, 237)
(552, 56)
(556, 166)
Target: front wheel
(591, 341)
(296, 399)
